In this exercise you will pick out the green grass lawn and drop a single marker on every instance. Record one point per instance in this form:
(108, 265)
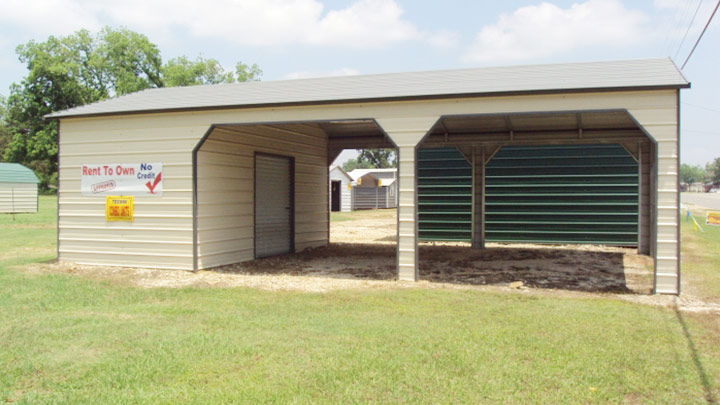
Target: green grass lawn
(701, 258)
(67, 339)
(368, 215)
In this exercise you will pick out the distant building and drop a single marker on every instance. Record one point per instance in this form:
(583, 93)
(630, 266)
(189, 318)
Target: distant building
(374, 188)
(18, 189)
(340, 190)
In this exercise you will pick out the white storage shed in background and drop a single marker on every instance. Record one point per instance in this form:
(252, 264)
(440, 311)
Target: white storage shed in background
(18, 189)
(340, 190)
(374, 188)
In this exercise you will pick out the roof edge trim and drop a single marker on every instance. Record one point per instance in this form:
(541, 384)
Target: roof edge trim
(61, 114)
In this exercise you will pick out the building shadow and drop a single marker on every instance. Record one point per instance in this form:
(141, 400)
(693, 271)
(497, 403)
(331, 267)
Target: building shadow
(702, 374)
(546, 267)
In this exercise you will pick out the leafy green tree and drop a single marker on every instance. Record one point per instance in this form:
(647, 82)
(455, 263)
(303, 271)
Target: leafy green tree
(247, 73)
(712, 170)
(4, 130)
(378, 158)
(182, 71)
(691, 174)
(67, 72)
(129, 61)
(353, 164)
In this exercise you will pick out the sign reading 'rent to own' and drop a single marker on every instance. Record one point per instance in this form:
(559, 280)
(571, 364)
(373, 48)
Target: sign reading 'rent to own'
(136, 179)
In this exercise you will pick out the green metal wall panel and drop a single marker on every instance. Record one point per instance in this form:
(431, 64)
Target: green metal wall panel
(562, 194)
(444, 195)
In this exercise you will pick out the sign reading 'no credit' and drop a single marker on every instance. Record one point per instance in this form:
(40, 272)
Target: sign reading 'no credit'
(128, 179)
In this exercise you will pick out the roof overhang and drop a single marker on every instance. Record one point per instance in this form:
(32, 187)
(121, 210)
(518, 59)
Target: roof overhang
(642, 75)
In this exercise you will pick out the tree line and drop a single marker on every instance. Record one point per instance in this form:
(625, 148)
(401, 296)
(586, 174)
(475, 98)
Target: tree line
(371, 159)
(698, 174)
(70, 71)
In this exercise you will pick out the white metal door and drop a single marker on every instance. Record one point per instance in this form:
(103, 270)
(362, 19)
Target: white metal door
(273, 205)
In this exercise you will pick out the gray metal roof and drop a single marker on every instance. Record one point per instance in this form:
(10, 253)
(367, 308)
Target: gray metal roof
(16, 173)
(631, 74)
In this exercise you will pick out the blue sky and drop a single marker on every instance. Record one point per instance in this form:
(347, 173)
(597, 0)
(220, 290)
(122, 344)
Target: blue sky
(309, 38)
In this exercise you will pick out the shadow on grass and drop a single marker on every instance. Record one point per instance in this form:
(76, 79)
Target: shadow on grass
(702, 374)
(549, 268)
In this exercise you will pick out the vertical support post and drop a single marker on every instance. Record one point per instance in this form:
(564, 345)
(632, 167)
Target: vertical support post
(664, 130)
(478, 237)
(406, 133)
(473, 212)
(640, 211)
(407, 238)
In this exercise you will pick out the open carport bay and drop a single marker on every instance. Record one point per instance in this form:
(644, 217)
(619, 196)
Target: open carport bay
(363, 247)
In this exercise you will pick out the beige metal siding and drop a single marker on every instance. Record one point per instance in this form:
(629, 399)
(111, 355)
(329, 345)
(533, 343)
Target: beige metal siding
(18, 197)
(225, 189)
(659, 119)
(161, 235)
(406, 133)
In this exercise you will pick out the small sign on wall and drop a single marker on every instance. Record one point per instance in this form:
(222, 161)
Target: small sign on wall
(119, 208)
(134, 179)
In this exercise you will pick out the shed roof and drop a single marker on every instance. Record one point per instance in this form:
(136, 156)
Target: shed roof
(588, 76)
(16, 173)
(342, 171)
(357, 173)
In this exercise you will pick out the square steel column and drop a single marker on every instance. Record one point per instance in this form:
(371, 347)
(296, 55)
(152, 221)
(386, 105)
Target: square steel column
(407, 133)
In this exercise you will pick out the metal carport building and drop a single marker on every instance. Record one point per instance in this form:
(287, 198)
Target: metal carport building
(217, 143)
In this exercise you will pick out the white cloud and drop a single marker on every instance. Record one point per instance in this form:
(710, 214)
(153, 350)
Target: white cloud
(366, 23)
(670, 3)
(305, 74)
(442, 38)
(47, 17)
(546, 30)
(362, 24)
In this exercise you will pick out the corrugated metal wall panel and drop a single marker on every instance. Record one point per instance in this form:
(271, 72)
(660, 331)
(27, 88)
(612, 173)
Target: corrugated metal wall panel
(444, 195)
(273, 205)
(225, 190)
(366, 198)
(84, 236)
(562, 194)
(18, 197)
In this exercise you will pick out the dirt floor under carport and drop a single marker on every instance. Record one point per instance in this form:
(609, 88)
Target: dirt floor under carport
(363, 247)
(362, 254)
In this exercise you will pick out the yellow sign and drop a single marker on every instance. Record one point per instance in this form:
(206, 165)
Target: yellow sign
(349, 186)
(118, 208)
(379, 182)
(712, 218)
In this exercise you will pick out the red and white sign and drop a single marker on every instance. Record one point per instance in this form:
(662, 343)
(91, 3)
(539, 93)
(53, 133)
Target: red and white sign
(123, 179)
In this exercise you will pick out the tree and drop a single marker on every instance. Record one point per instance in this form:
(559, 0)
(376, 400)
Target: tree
(712, 170)
(182, 71)
(353, 164)
(4, 131)
(66, 72)
(691, 174)
(378, 158)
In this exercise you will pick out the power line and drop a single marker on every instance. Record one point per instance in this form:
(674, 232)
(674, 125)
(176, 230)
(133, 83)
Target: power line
(676, 31)
(701, 35)
(688, 29)
(701, 107)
